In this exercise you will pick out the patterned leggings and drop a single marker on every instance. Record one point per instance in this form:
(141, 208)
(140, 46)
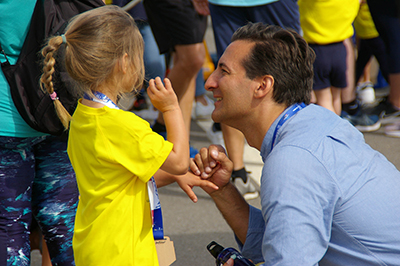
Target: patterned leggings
(36, 178)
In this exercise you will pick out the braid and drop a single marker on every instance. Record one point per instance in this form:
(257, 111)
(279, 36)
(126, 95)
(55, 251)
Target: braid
(47, 77)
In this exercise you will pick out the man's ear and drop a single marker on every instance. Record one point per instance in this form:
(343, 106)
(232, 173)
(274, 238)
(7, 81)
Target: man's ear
(266, 86)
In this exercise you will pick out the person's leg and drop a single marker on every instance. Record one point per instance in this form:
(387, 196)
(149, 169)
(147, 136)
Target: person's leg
(234, 144)
(336, 100)
(179, 28)
(154, 62)
(325, 98)
(387, 22)
(349, 93)
(16, 177)
(203, 105)
(55, 198)
(188, 59)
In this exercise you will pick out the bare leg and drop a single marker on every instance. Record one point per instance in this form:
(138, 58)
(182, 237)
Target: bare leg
(349, 93)
(325, 98)
(336, 100)
(394, 96)
(234, 143)
(188, 59)
(45, 254)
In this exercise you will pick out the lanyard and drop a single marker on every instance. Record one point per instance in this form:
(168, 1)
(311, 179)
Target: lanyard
(155, 204)
(101, 98)
(289, 113)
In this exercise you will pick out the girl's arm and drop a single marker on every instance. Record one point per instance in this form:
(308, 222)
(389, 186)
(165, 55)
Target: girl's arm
(164, 99)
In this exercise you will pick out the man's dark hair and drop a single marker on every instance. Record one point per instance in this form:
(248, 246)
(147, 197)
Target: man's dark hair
(284, 55)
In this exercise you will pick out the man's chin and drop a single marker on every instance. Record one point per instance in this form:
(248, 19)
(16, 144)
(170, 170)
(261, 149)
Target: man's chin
(215, 117)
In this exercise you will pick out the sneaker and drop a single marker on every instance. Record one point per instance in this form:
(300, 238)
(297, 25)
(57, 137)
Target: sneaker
(215, 135)
(385, 110)
(249, 190)
(366, 93)
(393, 130)
(362, 121)
(201, 111)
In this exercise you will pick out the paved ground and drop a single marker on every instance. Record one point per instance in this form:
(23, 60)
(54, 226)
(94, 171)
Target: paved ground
(193, 226)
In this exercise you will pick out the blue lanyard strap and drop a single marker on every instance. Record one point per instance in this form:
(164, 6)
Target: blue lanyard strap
(101, 98)
(155, 205)
(289, 113)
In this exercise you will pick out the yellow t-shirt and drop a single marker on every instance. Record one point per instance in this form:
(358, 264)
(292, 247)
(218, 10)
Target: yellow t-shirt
(364, 24)
(114, 153)
(327, 21)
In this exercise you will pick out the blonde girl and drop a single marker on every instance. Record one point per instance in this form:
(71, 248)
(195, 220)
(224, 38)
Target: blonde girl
(114, 152)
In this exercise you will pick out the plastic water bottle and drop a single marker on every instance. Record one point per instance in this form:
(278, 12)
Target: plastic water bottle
(222, 255)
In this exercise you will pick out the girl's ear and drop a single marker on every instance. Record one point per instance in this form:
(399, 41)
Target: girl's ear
(266, 86)
(124, 63)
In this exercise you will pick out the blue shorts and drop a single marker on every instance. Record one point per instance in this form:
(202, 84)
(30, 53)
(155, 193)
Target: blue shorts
(329, 66)
(226, 19)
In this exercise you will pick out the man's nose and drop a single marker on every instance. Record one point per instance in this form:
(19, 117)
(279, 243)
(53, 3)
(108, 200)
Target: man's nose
(210, 82)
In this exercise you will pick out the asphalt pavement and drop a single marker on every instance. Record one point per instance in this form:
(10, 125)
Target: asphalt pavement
(192, 226)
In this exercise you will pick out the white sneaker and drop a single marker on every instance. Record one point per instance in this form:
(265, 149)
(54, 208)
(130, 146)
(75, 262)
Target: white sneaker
(215, 136)
(201, 111)
(249, 190)
(393, 130)
(366, 93)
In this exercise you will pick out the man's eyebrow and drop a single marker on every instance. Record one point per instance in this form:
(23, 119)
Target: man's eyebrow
(222, 64)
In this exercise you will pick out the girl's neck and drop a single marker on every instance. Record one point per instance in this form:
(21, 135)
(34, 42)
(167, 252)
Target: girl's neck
(110, 93)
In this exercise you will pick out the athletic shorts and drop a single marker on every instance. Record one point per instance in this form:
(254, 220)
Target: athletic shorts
(227, 19)
(386, 18)
(329, 66)
(175, 22)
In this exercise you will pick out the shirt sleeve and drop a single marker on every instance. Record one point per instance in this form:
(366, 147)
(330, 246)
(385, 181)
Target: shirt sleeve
(298, 198)
(137, 147)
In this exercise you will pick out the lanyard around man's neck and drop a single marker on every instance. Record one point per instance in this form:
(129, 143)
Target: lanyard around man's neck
(288, 114)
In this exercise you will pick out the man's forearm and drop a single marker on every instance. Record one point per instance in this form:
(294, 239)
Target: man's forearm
(234, 209)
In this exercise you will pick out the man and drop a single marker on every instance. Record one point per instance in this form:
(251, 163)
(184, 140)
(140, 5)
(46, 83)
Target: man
(227, 16)
(327, 198)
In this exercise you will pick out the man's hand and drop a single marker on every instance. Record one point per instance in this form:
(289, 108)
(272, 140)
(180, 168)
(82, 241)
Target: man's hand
(212, 164)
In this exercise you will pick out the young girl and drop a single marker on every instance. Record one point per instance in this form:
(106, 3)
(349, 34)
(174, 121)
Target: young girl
(114, 152)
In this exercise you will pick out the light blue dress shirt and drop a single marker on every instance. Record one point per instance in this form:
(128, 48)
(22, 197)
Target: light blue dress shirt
(327, 197)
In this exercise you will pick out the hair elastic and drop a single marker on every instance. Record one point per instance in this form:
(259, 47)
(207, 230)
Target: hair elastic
(64, 39)
(53, 96)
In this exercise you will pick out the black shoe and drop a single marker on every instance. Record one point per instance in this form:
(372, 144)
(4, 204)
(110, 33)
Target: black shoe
(386, 112)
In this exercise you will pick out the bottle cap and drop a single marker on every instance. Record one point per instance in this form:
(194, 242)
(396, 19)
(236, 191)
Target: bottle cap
(214, 248)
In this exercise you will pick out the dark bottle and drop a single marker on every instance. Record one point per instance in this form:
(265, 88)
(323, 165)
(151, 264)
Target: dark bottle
(222, 255)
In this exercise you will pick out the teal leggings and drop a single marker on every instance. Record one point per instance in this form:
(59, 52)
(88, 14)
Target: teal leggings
(36, 178)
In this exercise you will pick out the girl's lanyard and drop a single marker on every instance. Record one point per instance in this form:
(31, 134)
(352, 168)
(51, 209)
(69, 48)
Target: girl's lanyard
(155, 205)
(289, 113)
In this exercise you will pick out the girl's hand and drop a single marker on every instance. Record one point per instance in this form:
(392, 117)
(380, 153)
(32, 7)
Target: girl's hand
(162, 97)
(189, 180)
